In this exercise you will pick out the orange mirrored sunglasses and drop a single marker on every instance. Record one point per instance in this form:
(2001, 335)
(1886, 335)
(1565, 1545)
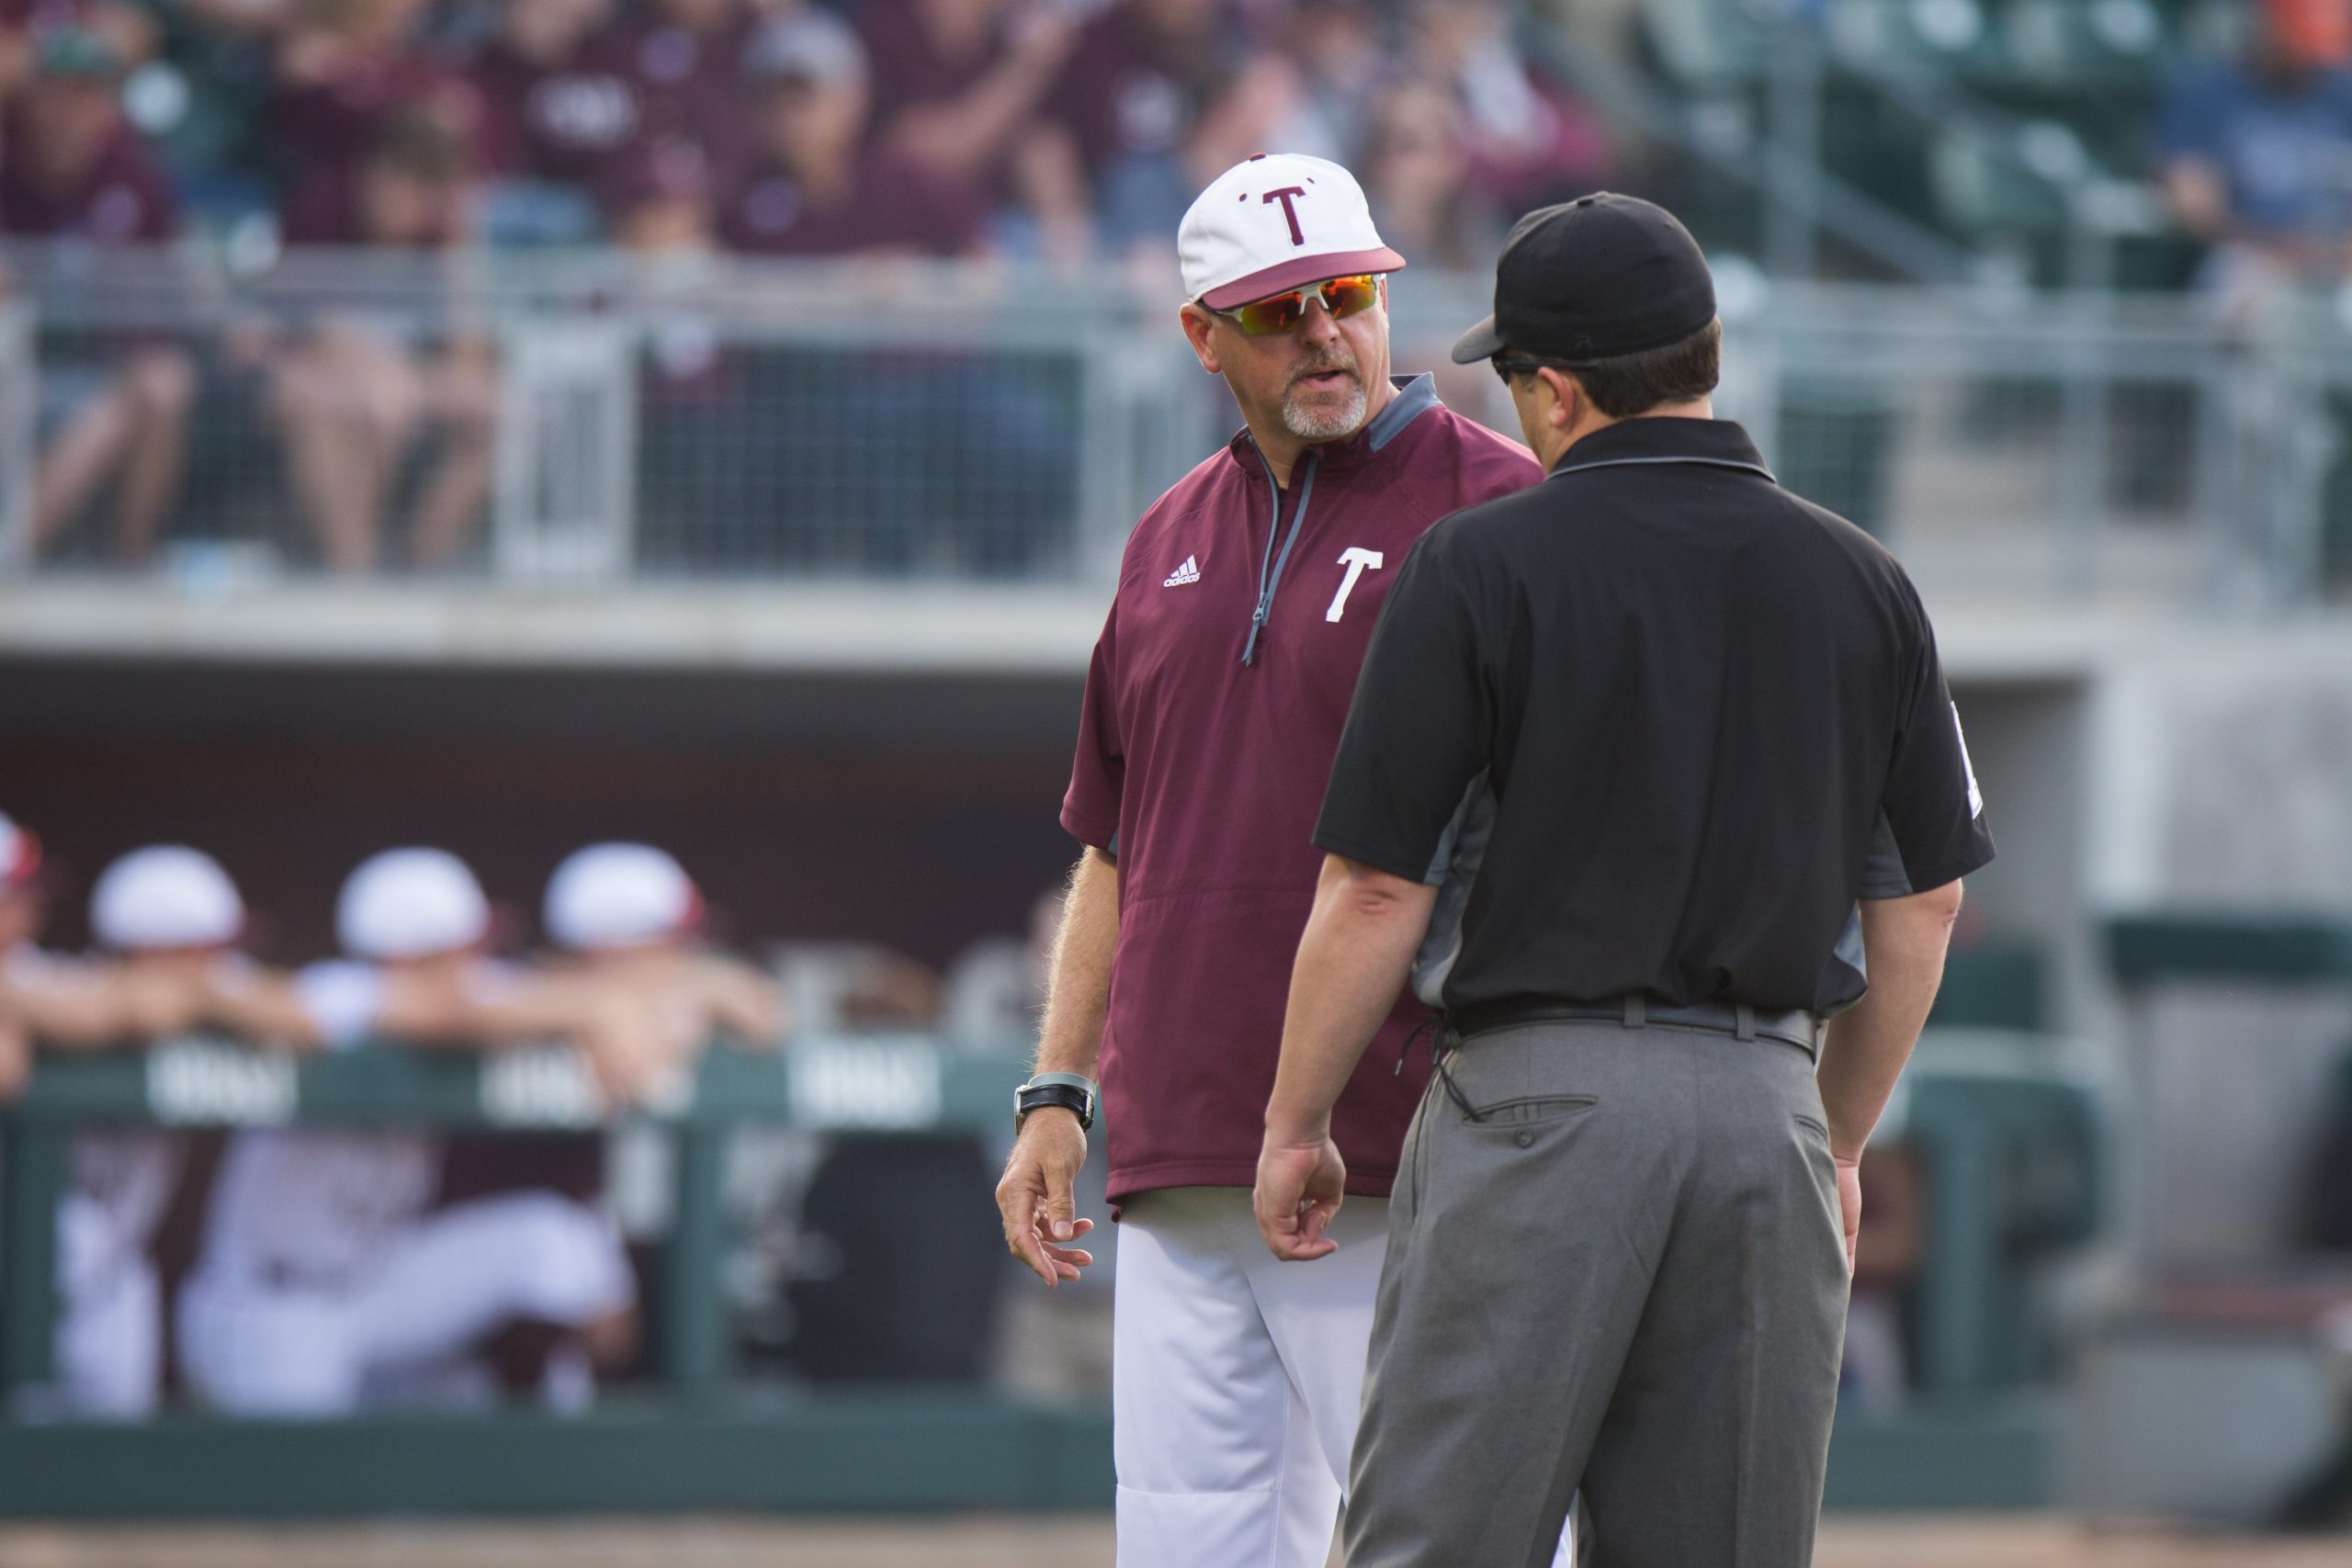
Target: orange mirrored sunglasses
(1343, 296)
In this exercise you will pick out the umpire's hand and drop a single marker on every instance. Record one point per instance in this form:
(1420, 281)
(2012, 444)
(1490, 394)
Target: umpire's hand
(15, 1059)
(1035, 1195)
(1849, 1205)
(1300, 1187)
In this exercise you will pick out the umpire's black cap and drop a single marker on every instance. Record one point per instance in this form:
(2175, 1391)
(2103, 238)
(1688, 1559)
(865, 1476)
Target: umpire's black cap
(1593, 278)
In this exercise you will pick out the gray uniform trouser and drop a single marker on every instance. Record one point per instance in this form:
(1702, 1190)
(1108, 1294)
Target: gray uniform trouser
(1626, 1276)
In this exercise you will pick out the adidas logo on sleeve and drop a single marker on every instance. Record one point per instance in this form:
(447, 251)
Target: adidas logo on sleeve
(1189, 572)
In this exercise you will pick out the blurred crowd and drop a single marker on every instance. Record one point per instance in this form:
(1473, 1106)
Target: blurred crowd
(1069, 132)
(1055, 128)
(2255, 152)
(337, 1270)
(1066, 133)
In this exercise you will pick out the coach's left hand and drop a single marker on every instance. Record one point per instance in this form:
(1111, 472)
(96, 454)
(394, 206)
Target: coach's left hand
(1300, 1186)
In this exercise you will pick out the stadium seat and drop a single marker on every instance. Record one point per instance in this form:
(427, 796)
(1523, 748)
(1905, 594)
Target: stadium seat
(1948, 36)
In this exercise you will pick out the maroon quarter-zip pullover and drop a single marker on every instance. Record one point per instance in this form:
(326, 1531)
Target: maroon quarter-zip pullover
(1213, 709)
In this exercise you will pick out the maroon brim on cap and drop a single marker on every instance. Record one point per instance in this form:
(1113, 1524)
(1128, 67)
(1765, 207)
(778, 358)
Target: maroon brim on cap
(1301, 270)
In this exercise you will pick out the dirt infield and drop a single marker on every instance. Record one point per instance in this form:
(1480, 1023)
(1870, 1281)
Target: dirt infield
(1854, 1542)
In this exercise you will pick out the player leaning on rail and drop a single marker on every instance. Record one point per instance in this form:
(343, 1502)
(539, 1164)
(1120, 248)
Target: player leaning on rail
(1212, 709)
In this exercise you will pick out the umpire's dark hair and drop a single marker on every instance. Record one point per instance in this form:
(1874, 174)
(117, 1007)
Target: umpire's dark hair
(1631, 384)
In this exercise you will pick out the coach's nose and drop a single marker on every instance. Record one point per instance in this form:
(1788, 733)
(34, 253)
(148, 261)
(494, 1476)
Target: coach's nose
(1318, 326)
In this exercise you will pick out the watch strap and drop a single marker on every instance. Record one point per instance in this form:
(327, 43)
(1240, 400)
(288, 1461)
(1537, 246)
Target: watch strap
(1075, 1080)
(1072, 1098)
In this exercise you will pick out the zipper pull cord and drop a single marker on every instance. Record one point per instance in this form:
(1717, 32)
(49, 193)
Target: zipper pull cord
(1265, 565)
(1270, 573)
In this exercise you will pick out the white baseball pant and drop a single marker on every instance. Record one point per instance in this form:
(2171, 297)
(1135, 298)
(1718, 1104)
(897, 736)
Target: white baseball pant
(109, 1344)
(108, 1336)
(1236, 1382)
(253, 1347)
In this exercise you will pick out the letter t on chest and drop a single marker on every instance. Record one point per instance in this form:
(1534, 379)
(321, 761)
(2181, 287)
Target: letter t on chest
(1356, 560)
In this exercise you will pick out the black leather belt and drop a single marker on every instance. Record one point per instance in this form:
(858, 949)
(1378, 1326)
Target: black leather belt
(1739, 1021)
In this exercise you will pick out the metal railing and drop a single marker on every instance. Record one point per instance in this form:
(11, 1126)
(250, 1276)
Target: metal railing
(847, 1084)
(2017, 447)
(598, 417)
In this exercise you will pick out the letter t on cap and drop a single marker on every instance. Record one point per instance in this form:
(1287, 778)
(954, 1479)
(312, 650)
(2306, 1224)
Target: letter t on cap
(1287, 195)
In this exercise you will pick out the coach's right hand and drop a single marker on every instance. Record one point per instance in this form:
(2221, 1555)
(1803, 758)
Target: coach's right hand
(1036, 1196)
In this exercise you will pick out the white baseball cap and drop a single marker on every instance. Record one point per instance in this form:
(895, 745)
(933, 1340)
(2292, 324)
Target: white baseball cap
(1273, 222)
(620, 896)
(411, 903)
(19, 854)
(165, 896)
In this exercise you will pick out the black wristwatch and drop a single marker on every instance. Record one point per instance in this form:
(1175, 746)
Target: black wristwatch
(1071, 1091)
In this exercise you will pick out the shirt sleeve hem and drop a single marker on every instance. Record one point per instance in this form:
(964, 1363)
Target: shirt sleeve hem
(1397, 865)
(1089, 830)
(1363, 1182)
(1975, 859)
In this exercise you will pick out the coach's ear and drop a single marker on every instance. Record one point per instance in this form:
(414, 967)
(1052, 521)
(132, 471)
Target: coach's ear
(1200, 329)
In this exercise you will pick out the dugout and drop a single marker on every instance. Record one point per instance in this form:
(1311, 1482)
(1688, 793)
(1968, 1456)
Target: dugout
(879, 765)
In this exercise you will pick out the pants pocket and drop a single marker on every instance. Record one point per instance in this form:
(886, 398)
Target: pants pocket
(1410, 1157)
(1532, 1109)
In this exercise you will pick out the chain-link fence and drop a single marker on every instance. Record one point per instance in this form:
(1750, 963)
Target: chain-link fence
(580, 417)
(597, 417)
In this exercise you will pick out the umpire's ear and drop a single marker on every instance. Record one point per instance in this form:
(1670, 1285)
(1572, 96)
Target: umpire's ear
(1568, 399)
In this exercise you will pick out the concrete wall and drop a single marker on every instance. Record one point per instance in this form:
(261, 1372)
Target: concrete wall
(2170, 765)
(2221, 779)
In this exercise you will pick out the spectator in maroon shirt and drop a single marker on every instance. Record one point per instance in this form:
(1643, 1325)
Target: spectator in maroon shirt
(357, 393)
(662, 199)
(815, 188)
(75, 167)
(1136, 77)
(1341, 50)
(686, 58)
(131, 31)
(662, 207)
(957, 87)
(346, 69)
(557, 102)
(76, 172)
(1421, 185)
(1142, 195)
(708, 444)
(1529, 143)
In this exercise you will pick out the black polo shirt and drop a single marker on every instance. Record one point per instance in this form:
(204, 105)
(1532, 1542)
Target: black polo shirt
(1663, 724)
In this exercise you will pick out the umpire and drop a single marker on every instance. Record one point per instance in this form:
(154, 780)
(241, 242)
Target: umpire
(1699, 728)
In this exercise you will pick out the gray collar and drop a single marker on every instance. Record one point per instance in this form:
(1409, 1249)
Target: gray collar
(1415, 397)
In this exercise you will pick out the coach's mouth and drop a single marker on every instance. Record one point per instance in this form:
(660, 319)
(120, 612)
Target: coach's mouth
(1325, 381)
